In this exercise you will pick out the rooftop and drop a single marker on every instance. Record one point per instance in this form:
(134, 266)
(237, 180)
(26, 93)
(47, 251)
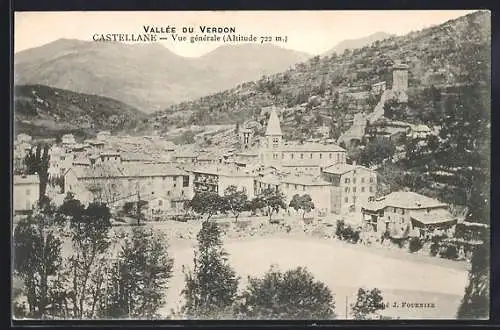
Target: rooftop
(152, 170)
(223, 171)
(135, 156)
(26, 179)
(405, 200)
(270, 179)
(433, 216)
(343, 168)
(312, 147)
(306, 180)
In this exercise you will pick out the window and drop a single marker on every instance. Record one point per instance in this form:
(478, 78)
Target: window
(354, 180)
(371, 189)
(371, 180)
(28, 192)
(160, 202)
(175, 185)
(331, 155)
(347, 180)
(301, 156)
(304, 188)
(363, 180)
(403, 211)
(346, 189)
(168, 193)
(338, 157)
(320, 156)
(346, 199)
(282, 155)
(185, 181)
(288, 185)
(353, 189)
(362, 189)
(311, 156)
(291, 156)
(295, 186)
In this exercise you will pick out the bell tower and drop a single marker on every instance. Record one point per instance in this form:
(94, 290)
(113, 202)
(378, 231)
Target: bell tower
(274, 137)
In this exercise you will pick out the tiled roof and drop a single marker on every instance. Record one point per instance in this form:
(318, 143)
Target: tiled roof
(432, 217)
(222, 171)
(405, 200)
(307, 180)
(312, 147)
(343, 168)
(26, 179)
(152, 170)
(269, 179)
(135, 156)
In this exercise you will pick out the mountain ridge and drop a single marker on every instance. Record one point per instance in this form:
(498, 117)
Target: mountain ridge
(147, 76)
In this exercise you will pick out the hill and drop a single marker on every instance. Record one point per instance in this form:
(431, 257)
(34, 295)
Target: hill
(146, 76)
(330, 89)
(357, 43)
(43, 111)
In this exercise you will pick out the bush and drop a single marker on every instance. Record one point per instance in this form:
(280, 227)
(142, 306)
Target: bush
(434, 249)
(347, 233)
(450, 252)
(294, 294)
(415, 244)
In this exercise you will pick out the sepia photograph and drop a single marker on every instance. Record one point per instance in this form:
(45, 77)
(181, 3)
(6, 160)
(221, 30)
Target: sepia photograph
(251, 165)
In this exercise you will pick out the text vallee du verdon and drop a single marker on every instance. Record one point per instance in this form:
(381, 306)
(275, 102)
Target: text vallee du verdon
(188, 29)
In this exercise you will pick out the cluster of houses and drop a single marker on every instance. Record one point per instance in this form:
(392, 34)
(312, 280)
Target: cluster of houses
(101, 169)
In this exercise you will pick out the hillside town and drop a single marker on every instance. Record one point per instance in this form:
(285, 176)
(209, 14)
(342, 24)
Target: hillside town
(162, 177)
(345, 185)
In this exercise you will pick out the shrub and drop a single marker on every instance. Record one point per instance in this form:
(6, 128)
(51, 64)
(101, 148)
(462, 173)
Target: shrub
(450, 252)
(434, 248)
(415, 244)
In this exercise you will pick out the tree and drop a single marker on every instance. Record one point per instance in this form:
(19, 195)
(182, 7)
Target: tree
(89, 228)
(209, 203)
(38, 162)
(294, 294)
(475, 303)
(303, 203)
(272, 199)
(235, 200)
(139, 278)
(368, 302)
(212, 285)
(377, 151)
(37, 258)
(415, 244)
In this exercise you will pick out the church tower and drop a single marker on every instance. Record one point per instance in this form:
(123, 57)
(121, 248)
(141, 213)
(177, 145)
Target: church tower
(274, 137)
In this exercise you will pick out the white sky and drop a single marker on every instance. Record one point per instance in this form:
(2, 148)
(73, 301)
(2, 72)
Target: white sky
(309, 31)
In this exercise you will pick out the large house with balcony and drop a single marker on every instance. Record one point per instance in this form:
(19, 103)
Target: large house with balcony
(218, 178)
(404, 214)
